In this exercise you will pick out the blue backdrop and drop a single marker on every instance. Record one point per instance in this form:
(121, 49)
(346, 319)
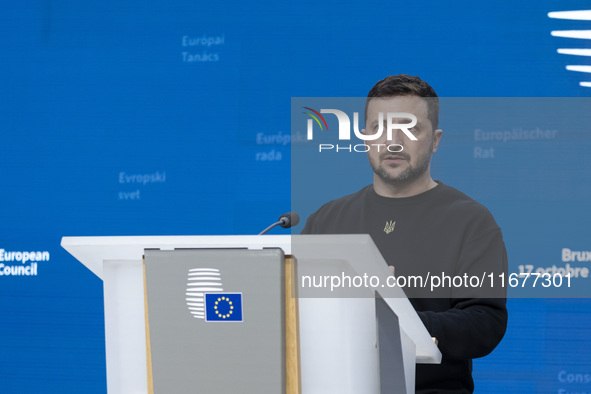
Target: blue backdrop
(168, 118)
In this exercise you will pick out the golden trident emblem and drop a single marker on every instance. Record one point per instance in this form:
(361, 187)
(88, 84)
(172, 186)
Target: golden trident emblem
(389, 227)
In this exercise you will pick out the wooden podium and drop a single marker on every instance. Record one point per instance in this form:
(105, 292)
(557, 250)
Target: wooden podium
(344, 341)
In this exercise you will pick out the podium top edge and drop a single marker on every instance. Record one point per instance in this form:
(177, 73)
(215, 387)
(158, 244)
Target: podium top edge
(284, 241)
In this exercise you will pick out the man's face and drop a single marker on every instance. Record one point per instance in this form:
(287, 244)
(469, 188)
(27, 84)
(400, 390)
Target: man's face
(413, 162)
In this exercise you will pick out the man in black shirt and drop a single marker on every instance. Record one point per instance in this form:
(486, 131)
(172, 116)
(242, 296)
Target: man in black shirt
(423, 227)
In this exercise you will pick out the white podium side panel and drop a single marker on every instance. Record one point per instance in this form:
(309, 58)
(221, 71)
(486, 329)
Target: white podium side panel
(125, 332)
(409, 351)
(338, 346)
(360, 253)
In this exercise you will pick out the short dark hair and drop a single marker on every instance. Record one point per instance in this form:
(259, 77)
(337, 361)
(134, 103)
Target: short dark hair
(407, 85)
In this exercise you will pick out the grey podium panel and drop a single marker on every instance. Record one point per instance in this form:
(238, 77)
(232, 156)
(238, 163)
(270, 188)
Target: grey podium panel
(232, 341)
(392, 378)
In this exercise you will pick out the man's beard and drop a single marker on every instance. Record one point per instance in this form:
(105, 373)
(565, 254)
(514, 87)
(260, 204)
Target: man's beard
(409, 175)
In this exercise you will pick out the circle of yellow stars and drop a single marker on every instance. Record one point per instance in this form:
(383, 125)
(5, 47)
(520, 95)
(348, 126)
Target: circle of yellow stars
(228, 302)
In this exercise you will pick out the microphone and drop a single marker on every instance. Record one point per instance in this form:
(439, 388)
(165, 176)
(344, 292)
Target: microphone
(286, 220)
(289, 219)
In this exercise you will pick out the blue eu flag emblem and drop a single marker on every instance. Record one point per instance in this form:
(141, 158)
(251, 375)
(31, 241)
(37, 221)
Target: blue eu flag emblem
(223, 307)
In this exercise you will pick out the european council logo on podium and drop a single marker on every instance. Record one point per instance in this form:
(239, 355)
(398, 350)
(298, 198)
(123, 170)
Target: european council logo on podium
(223, 307)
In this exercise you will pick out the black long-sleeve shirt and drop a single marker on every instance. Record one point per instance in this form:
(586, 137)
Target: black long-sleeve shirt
(439, 232)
